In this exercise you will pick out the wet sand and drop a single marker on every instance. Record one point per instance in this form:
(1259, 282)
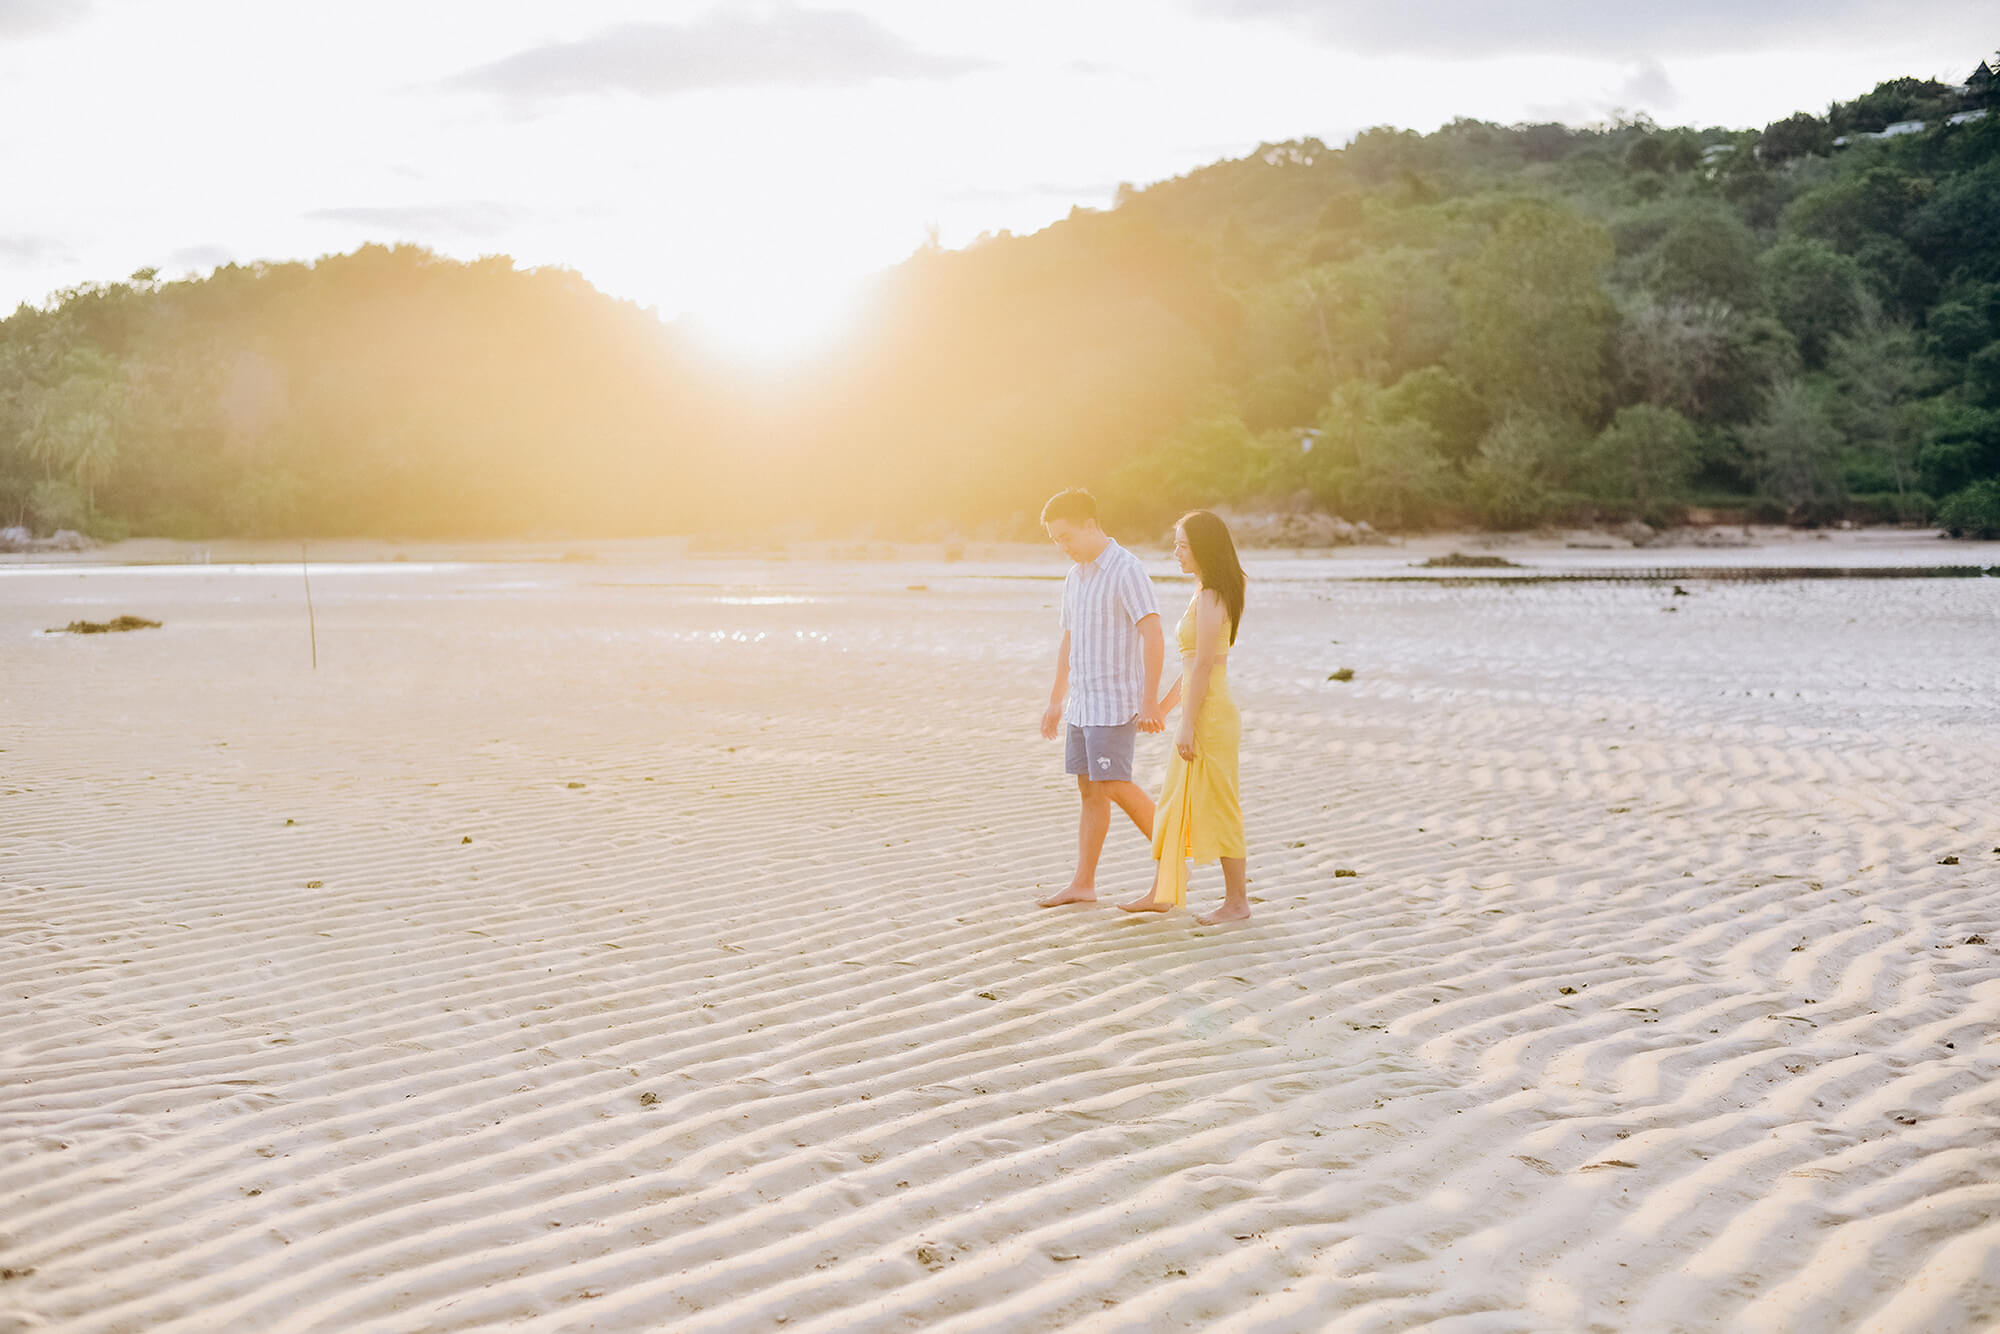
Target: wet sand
(646, 942)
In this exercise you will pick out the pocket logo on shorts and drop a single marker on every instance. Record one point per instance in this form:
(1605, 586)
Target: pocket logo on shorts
(1104, 761)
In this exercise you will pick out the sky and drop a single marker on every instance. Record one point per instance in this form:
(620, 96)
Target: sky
(745, 166)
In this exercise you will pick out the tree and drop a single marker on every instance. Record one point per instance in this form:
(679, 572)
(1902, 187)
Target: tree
(1648, 153)
(1206, 460)
(1439, 399)
(1878, 370)
(1283, 396)
(1646, 456)
(1797, 135)
(1441, 304)
(1891, 101)
(1865, 216)
(1545, 141)
(418, 395)
(1973, 512)
(1383, 153)
(1955, 329)
(1849, 212)
(1793, 447)
(1816, 291)
(1389, 472)
(1534, 317)
(1982, 376)
(1757, 352)
(1664, 152)
(1954, 229)
(1671, 353)
(1398, 480)
(1897, 279)
(1708, 256)
(54, 505)
(73, 423)
(1518, 477)
(1756, 191)
(1378, 316)
(1961, 443)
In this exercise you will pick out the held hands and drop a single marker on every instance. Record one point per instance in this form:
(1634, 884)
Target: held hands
(1051, 721)
(1151, 719)
(1184, 740)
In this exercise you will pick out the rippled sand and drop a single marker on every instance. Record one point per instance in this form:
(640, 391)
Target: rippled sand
(650, 947)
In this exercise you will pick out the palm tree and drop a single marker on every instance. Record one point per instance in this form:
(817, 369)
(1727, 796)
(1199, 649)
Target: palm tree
(73, 425)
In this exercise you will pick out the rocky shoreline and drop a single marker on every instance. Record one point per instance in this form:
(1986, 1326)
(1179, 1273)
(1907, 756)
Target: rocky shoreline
(1302, 529)
(17, 540)
(1298, 528)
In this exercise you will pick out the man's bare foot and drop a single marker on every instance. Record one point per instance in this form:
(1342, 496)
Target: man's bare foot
(1146, 904)
(1226, 913)
(1074, 894)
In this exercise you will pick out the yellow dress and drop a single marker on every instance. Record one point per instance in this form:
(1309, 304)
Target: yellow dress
(1200, 813)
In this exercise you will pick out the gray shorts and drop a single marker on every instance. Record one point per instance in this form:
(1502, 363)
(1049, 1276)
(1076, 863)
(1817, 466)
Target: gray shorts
(1101, 753)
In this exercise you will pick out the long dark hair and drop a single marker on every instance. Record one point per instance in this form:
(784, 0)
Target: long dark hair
(1215, 557)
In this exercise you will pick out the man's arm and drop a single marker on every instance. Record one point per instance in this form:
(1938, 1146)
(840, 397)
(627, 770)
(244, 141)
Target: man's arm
(1155, 645)
(1052, 716)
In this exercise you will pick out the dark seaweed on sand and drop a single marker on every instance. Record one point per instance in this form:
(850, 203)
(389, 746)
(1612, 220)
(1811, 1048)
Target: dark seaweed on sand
(1458, 560)
(107, 627)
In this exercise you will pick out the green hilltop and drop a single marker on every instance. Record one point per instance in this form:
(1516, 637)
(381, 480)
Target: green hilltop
(1493, 325)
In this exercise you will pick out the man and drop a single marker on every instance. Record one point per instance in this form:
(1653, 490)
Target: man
(1107, 686)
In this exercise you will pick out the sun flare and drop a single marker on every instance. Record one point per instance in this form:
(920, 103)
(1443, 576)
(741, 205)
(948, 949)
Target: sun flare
(773, 321)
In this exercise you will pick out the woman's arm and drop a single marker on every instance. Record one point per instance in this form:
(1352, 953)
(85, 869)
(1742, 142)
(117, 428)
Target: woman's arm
(1210, 620)
(1171, 698)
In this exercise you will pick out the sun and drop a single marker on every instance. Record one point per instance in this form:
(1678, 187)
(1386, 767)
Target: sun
(753, 277)
(774, 319)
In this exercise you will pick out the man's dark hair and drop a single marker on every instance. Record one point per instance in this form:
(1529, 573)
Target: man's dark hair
(1075, 504)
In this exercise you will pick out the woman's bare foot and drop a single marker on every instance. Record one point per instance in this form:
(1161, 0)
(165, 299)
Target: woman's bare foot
(1074, 894)
(1228, 912)
(1146, 904)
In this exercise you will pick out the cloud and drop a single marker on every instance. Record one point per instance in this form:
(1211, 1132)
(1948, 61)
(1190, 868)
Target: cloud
(1646, 89)
(26, 18)
(468, 218)
(1042, 190)
(200, 257)
(1469, 29)
(27, 251)
(1649, 87)
(774, 44)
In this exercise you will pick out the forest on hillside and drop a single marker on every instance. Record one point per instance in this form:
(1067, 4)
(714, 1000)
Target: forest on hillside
(1495, 325)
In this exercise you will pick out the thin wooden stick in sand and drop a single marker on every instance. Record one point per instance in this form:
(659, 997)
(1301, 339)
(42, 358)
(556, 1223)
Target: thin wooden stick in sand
(311, 627)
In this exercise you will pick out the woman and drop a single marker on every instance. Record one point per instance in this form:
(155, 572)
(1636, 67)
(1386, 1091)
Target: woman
(1200, 814)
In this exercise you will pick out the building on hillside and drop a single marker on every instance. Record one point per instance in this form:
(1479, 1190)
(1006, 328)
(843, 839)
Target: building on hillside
(1903, 127)
(1982, 86)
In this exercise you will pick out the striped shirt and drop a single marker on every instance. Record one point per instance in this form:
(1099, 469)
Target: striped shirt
(1102, 605)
